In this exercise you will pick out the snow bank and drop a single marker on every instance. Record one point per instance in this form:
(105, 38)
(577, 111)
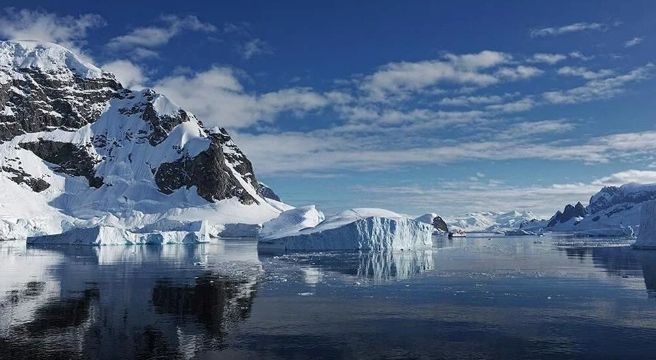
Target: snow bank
(356, 229)
(107, 235)
(647, 237)
(291, 222)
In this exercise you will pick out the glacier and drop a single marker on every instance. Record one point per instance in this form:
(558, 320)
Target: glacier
(355, 229)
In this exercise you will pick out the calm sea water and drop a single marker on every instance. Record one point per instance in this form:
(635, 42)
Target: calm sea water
(466, 298)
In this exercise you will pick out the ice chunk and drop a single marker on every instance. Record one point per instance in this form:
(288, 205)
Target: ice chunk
(356, 229)
(647, 236)
(108, 235)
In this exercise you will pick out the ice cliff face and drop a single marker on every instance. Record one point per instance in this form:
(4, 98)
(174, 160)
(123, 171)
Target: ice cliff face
(356, 229)
(76, 149)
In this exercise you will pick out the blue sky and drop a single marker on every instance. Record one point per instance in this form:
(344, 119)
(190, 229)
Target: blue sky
(419, 106)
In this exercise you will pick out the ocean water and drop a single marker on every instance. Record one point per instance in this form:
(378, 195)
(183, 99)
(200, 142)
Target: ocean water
(496, 298)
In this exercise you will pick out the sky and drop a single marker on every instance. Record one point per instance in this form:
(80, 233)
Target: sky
(414, 106)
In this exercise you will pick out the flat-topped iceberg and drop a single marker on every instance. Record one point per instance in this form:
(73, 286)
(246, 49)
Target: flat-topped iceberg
(356, 229)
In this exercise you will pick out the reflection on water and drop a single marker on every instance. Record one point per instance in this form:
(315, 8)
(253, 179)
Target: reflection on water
(378, 267)
(139, 302)
(464, 298)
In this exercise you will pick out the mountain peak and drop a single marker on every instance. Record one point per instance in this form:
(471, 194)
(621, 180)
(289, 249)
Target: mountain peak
(47, 57)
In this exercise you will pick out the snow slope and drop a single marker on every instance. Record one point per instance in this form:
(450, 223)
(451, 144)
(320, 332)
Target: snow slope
(79, 151)
(489, 221)
(613, 211)
(355, 229)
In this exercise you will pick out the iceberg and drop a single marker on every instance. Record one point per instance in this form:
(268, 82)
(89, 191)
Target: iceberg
(108, 235)
(647, 235)
(304, 229)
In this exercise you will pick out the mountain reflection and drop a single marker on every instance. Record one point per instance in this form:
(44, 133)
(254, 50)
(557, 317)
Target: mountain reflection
(621, 261)
(140, 302)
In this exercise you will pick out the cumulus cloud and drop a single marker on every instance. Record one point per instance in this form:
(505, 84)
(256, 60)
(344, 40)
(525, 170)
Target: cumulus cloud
(571, 28)
(403, 77)
(218, 98)
(68, 31)
(129, 74)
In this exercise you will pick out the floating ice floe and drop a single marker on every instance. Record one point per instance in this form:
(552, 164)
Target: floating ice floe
(304, 229)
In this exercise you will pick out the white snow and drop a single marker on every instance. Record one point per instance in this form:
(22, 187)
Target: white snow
(647, 236)
(291, 222)
(130, 202)
(489, 221)
(48, 57)
(355, 229)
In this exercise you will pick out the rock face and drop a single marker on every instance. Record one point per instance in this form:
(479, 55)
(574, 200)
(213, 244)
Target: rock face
(570, 212)
(75, 143)
(266, 192)
(613, 211)
(435, 220)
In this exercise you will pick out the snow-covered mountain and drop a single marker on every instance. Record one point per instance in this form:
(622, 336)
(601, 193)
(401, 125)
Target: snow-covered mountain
(78, 150)
(612, 211)
(489, 221)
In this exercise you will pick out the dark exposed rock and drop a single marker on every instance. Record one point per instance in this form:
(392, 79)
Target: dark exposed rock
(160, 125)
(570, 212)
(71, 159)
(21, 177)
(40, 102)
(267, 192)
(37, 100)
(610, 196)
(440, 224)
(207, 171)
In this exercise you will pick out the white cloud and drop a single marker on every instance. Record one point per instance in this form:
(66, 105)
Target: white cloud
(142, 40)
(633, 42)
(450, 198)
(530, 128)
(68, 31)
(599, 88)
(547, 58)
(518, 73)
(129, 74)
(584, 72)
(403, 77)
(575, 27)
(520, 105)
(253, 48)
(628, 176)
(218, 98)
(471, 100)
(579, 55)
